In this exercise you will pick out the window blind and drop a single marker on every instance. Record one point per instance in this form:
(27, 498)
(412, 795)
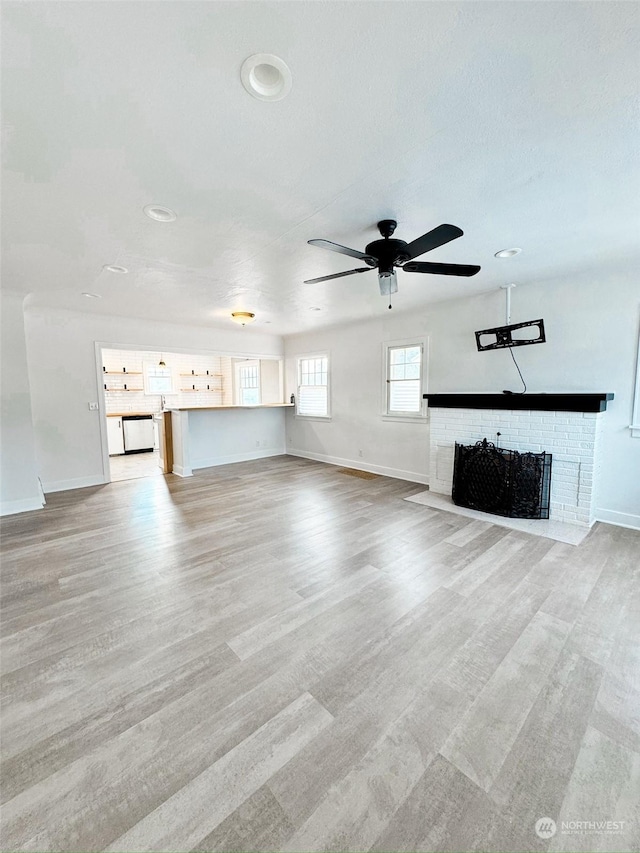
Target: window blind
(313, 390)
(404, 379)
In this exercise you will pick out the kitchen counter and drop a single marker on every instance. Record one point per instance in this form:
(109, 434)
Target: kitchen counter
(131, 414)
(205, 436)
(218, 408)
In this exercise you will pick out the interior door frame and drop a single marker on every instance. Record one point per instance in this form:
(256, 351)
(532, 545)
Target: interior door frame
(99, 346)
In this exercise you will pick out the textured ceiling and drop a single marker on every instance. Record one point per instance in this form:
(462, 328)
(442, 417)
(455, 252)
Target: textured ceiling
(515, 121)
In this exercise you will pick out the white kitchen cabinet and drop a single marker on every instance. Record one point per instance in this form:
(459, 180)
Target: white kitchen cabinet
(115, 436)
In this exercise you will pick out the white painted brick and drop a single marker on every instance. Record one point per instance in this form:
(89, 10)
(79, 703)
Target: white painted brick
(571, 438)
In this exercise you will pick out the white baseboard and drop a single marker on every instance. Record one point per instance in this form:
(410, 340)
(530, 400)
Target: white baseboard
(359, 465)
(76, 483)
(180, 471)
(214, 461)
(620, 519)
(24, 505)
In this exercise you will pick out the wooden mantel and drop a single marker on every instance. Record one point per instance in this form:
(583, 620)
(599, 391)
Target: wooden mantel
(528, 402)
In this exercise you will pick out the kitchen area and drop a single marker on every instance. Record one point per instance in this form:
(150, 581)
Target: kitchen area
(141, 388)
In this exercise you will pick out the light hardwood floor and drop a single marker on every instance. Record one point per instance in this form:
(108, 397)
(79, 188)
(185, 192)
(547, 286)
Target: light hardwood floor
(277, 656)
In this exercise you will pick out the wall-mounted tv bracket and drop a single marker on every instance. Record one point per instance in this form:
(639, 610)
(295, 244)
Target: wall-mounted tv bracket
(503, 338)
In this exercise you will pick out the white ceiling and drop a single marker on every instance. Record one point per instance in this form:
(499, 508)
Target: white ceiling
(516, 121)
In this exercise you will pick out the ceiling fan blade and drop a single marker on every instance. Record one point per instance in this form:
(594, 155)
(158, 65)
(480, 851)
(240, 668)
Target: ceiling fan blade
(441, 269)
(344, 250)
(336, 275)
(431, 240)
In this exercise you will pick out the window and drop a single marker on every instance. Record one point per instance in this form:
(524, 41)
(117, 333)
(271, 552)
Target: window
(313, 386)
(403, 385)
(158, 380)
(249, 385)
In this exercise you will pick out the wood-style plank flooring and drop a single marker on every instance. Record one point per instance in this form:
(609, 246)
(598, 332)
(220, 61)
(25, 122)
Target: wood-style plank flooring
(277, 656)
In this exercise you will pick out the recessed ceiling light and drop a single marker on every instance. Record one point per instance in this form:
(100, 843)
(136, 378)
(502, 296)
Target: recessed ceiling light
(507, 253)
(115, 268)
(266, 77)
(92, 295)
(159, 213)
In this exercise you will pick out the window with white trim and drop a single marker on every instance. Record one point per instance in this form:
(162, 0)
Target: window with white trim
(249, 384)
(403, 380)
(157, 379)
(313, 386)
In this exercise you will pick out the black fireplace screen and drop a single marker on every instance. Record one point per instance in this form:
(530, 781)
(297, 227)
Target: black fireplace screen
(500, 481)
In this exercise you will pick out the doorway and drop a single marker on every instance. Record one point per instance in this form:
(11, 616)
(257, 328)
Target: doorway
(139, 387)
(132, 385)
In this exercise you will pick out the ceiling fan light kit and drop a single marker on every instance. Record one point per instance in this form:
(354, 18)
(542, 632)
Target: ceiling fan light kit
(389, 254)
(388, 283)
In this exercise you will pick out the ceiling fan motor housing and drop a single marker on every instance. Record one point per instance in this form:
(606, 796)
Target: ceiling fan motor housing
(389, 253)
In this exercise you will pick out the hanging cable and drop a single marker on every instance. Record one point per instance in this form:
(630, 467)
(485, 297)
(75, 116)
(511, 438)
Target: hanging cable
(520, 373)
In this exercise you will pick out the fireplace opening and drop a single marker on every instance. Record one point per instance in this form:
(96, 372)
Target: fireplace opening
(500, 481)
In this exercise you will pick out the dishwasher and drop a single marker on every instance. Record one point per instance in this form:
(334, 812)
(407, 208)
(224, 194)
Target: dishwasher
(138, 433)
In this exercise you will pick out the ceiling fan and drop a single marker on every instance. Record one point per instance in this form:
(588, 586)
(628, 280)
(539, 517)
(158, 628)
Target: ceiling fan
(387, 254)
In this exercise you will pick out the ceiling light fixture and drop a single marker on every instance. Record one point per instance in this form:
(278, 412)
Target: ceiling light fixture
(507, 253)
(388, 282)
(266, 77)
(242, 317)
(92, 295)
(162, 362)
(315, 309)
(159, 213)
(115, 268)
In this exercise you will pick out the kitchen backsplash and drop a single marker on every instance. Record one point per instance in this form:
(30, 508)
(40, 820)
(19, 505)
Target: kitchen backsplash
(184, 371)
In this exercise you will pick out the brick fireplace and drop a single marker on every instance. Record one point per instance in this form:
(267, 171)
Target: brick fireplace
(571, 436)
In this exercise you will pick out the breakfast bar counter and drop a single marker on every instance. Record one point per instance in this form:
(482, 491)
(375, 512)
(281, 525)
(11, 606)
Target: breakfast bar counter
(206, 436)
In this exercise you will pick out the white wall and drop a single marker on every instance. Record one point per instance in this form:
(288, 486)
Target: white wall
(62, 369)
(398, 449)
(19, 487)
(592, 332)
(270, 384)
